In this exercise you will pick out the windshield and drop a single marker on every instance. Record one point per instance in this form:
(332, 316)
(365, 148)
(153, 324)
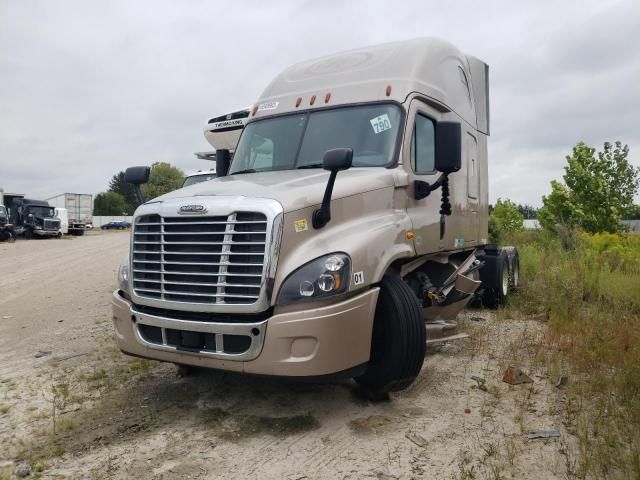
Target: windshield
(197, 179)
(44, 212)
(300, 140)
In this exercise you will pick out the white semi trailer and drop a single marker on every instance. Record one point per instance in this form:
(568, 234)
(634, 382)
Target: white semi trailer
(79, 208)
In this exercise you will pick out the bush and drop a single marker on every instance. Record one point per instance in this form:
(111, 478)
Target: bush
(505, 220)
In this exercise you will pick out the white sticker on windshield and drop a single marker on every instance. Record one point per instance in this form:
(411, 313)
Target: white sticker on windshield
(381, 123)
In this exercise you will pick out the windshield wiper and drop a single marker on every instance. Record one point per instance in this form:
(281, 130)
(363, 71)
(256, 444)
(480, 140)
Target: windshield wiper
(248, 170)
(310, 165)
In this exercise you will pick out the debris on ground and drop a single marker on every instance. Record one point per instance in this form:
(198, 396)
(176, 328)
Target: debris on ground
(23, 470)
(467, 410)
(6, 317)
(476, 318)
(515, 376)
(419, 440)
(42, 353)
(543, 434)
(562, 381)
(481, 383)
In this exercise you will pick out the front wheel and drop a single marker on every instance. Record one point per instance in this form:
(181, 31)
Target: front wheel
(495, 296)
(398, 342)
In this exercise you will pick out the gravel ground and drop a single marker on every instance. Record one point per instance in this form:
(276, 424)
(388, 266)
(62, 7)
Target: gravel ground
(80, 409)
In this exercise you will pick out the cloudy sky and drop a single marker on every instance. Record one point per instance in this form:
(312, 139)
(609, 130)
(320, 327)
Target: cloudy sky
(88, 88)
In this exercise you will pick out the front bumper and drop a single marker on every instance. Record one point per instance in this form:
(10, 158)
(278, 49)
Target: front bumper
(303, 342)
(45, 233)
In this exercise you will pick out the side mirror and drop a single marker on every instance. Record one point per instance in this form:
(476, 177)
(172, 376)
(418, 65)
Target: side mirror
(337, 159)
(334, 161)
(137, 176)
(448, 147)
(223, 162)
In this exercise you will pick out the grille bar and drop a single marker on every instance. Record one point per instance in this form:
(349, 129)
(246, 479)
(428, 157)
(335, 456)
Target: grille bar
(209, 260)
(197, 223)
(189, 294)
(200, 284)
(188, 253)
(199, 273)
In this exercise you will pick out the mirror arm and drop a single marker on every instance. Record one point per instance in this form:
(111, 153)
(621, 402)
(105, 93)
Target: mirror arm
(322, 215)
(138, 193)
(424, 189)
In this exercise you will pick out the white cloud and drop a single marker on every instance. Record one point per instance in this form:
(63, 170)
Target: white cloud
(89, 88)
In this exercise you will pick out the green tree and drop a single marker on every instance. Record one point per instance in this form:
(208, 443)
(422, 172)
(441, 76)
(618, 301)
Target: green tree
(528, 212)
(505, 219)
(111, 203)
(633, 213)
(164, 178)
(118, 185)
(597, 193)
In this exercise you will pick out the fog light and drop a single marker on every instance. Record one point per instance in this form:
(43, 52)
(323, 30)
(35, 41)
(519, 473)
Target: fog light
(306, 289)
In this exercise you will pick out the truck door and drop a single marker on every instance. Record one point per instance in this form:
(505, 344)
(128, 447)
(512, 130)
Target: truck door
(473, 189)
(419, 160)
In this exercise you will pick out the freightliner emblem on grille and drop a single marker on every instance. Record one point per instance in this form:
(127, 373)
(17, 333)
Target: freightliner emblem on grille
(186, 209)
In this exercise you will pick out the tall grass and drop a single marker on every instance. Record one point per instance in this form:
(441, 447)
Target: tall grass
(587, 287)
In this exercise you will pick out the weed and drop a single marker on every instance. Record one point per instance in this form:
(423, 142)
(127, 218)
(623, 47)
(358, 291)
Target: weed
(4, 408)
(590, 296)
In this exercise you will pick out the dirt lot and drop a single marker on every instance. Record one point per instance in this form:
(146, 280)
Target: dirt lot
(72, 406)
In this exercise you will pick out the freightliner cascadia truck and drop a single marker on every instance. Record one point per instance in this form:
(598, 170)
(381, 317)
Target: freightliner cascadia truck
(347, 233)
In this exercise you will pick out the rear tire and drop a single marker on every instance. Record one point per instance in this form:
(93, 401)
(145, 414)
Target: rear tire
(514, 267)
(495, 296)
(398, 342)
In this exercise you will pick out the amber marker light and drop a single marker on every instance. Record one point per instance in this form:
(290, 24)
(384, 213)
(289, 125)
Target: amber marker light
(327, 97)
(298, 102)
(254, 110)
(313, 100)
(410, 235)
(388, 90)
(338, 280)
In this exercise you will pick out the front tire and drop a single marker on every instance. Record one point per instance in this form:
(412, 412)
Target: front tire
(495, 296)
(398, 342)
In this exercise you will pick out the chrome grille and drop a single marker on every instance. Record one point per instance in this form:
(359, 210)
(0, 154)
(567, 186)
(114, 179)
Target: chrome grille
(200, 259)
(51, 224)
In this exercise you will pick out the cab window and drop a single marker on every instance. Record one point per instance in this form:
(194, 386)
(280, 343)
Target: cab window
(423, 145)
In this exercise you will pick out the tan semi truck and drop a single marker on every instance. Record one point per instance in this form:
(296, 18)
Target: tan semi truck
(349, 230)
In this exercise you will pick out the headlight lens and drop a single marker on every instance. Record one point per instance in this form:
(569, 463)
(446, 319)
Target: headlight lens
(322, 277)
(123, 276)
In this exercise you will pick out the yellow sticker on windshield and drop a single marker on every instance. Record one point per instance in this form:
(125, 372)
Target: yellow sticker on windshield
(300, 225)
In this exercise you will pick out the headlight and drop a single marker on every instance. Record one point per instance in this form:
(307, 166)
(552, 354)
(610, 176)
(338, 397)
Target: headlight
(123, 276)
(322, 277)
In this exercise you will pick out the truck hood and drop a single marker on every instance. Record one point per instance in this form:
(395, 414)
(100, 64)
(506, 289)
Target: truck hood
(293, 189)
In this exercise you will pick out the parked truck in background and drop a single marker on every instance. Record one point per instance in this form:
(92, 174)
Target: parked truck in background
(33, 218)
(79, 207)
(224, 130)
(349, 230)
(7, 233)
(199, 176)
